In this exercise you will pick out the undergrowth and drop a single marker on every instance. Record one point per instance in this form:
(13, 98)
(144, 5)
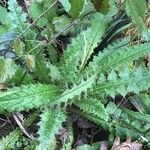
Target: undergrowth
(41, 75)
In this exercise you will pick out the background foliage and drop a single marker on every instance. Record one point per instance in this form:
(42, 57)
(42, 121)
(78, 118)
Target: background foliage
(65, 57)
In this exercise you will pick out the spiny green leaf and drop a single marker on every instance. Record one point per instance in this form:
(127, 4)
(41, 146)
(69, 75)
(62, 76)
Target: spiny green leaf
(10, 140)
(52, 51)
(50, 124)
(35, 10)
(139, 116)
(32, 146)
(20, 78)
(76, 91)
(141, 102)
(125, 132)
(93, 118)
(17, 16)
(81, 47)
(118, 55)
(93, 36)
(3, 29)
(67, 143)
(27, 96)
(135, 80)
(93, 106)
(126, 124)
(19, 47)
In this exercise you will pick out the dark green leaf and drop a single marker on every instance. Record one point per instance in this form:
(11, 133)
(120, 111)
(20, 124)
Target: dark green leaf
(101, 6)
(76, 7)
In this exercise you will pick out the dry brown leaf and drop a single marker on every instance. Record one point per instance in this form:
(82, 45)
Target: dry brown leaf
(127, 145)
(3, 86)
(104, 145)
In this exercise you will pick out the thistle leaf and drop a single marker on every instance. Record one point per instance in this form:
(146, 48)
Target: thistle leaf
(50, 124)
(93, 106)
(60, 23)
(10, 140)
(93, 36)
(135, 80)
(27, 97)
(30, 62)
(76, 91)
(141, 102)
(117, 55)
(139, 116)
(81, 47)
(17, 16)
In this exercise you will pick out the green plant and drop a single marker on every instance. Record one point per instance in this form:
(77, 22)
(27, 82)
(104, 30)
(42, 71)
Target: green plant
(54, 87)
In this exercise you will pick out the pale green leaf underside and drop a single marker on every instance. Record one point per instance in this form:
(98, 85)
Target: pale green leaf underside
(7, 69)
(16, 16)
(3, 16)
(136, 8)
(66, 4)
